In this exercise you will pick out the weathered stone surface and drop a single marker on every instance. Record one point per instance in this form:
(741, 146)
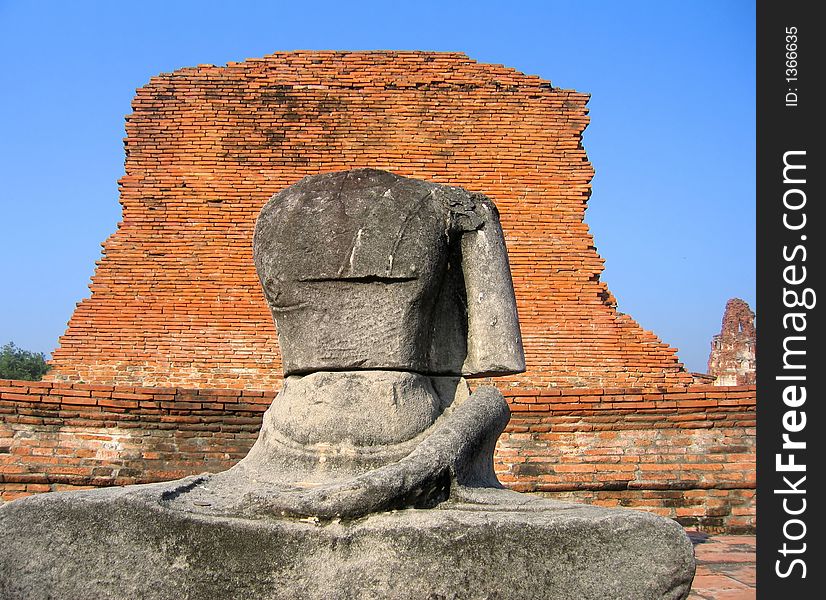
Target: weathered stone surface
(339, 406)
(124, 543)
(365, 269)
(280, 477)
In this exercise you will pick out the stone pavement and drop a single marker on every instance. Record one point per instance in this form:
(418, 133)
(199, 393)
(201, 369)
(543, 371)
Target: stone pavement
(726, 567)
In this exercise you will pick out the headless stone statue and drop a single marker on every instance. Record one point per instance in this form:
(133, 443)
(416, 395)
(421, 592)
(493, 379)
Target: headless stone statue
(372, 476)
(386, 293)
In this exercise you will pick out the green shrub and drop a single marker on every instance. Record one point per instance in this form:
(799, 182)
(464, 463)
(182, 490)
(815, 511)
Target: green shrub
(16, 363)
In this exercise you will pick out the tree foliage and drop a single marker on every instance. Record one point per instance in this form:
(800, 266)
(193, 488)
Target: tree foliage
(16, 363)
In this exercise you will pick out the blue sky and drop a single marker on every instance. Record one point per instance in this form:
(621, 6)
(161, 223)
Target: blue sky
(672, 133)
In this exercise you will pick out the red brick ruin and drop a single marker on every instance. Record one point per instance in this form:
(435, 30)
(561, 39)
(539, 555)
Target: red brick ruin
(166, 369)
(733, 358)
(175, 299)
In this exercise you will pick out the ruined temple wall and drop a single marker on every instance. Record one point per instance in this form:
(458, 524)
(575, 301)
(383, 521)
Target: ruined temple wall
(175, 299)
(733, 357)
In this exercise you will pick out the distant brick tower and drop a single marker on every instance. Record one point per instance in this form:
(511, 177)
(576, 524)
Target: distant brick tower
(733, 355)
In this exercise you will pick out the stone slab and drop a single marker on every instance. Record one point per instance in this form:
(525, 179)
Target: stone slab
(121, 543)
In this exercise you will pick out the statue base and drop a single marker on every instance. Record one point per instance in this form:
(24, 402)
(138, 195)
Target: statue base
(127, 543)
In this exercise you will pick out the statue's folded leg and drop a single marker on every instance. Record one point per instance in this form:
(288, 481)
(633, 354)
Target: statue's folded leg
(457, 454)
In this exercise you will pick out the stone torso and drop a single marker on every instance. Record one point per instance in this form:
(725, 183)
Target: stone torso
(363, 270)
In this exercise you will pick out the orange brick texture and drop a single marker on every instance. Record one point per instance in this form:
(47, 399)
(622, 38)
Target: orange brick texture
(67, 436)
(175, 299)
(684, 452)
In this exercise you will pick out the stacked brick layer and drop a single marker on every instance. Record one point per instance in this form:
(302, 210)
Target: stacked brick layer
(62, 436)
(686, 453)
(175, 300)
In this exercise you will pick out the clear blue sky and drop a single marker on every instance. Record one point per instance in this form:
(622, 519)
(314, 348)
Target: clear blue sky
(672, 133)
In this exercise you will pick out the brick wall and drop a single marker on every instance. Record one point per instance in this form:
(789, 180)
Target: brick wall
(66, 436)
(682, 452)
(175, 299)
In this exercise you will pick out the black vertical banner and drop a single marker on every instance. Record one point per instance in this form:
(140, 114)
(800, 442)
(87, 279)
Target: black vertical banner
(791, 424)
